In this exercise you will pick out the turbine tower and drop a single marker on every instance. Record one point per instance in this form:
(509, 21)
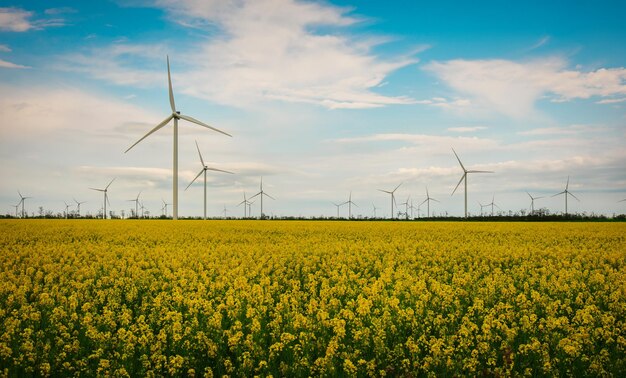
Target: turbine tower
(203, 170)
(566, 192)
(532, 202)
(106, 198)
(350, 203)
(393, 198)
(492, 204)
(464, 178)
(262, 193)
(136, 201)
(175, 116)
(22, 200)
(78, 205)
(427, 201)
(338, 206)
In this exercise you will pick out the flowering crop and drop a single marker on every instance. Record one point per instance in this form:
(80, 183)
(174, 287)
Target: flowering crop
(244, 298)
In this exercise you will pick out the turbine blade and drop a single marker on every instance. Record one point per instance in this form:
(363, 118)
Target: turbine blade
(193, 120)
(254, 195)
(531, 197)
(567, 185)
(457, 185)
(218, 170)
(199, 154)
(457, 158)
(163, 123)
(558, 194)
(100, 190)
(107, 187)
(424, 201)
(397, 187)
(269, 196)
(432, 199)
(570, 193)
(385, 191)
(169, 83)
(106, 196)
(355, 204)
(480, 171)
(192, 181)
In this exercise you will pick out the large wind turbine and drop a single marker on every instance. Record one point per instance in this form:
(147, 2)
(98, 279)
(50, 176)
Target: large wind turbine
(464, 178)
(532, 202)
(203, 170)
(22, 200)
(262, 193)
(175, 116)
(350, 203)
(566, 192)
(427, 200)
(106, 197)
(393, 198)
(136, 201)
(78, 205)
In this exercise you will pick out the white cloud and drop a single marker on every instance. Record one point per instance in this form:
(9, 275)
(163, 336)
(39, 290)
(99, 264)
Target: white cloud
(611, 100)
(466, 129)
(5, 48)
(264, 50)
(15, 20)
(542, 41)
(5, 64)
(61, 10)
(568, 130)
(512, 88)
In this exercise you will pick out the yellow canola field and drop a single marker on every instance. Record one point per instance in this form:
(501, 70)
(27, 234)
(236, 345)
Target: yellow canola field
(297, 298)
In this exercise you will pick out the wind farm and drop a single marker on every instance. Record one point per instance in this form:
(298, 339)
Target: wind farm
(227, 247)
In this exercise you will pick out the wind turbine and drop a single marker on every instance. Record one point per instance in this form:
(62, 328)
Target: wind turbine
(262, 193)
(374, 208)
(175, 116)
(412, 208)
(203, 170)
(22, 200)
(136, 201)
(406, 207)
(224, 211)
(350, 203)
(165, 204)
(464, 178)
(532, 202)
(67, 206)
(482, 207)
(16, 207)
(427, 200)
(393, 198)
(142, 209)
(106, 197)
(566, 192)
(338, 206)
(492, 204)
(78, 205)
(245, 203)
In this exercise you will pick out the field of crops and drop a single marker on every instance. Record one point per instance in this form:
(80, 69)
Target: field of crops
(245, 298)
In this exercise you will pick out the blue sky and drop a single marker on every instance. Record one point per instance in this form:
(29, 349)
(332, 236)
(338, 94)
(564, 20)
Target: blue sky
(322, 98)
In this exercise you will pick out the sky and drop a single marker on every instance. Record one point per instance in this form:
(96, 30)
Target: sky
(322, 98)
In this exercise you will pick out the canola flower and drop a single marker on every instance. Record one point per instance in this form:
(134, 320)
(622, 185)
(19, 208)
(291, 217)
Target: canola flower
(250, 298)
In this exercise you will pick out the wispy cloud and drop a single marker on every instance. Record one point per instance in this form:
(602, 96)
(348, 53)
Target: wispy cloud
(5, 48)
(512, 88)
(267, 50)
(567, 130)
(542, 41)
(611, 100)
(5, 64)
(15, 20)
(466, 129)
(61, 10)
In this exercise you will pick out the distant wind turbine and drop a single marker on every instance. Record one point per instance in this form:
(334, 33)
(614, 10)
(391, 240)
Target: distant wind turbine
(224, 211)
(165, 204)
(338, 205)
(464, 178)
(203, 170)
(22, 200)
(78, 205)
(16, 207)
(136, 201)
(350, 203)
(245, 204)
(393, 198)
(566, 192)
(175, 116)
(261, 193)
(406, 207)
(492, 204)
(412, 208)
(67, 206)
(106, 197)
(427, 201)
(532, 202)
(374, 208)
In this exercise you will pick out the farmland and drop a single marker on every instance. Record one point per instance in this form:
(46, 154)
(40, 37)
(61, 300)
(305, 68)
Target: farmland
(301, 298)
